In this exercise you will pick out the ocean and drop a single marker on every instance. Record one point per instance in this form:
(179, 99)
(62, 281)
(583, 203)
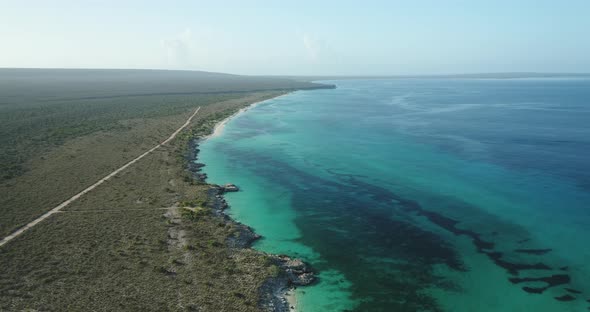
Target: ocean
(420, 194)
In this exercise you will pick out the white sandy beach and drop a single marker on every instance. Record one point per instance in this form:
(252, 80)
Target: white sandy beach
(291, 299)
(218, 130)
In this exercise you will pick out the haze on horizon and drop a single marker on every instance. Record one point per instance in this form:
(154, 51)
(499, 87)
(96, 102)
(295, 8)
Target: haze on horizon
(299, 38)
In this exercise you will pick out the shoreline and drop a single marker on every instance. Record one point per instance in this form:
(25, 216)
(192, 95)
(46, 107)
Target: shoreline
(218, 128)
(277, 293)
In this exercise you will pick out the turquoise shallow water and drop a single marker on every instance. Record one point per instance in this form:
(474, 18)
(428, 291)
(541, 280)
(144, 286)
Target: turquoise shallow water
(420, 195)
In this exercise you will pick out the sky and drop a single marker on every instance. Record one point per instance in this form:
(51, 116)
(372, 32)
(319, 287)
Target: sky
(302, 37)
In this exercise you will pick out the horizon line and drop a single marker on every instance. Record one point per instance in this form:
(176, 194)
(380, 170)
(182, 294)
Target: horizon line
(510, 74)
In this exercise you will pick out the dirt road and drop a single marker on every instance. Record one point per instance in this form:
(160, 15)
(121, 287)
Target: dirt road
(93, 186)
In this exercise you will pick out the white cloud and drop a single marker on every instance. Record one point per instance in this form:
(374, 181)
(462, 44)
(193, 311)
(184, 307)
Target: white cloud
(178, 50)
(312, 47)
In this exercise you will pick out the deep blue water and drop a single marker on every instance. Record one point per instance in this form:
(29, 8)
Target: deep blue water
(421, 195)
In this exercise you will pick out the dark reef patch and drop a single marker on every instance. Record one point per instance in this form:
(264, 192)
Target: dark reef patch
(551, 281)
(514, 268)
(534, 251)
(348, 213)
(573, 291)
(356, 216)
(483, 246)
(565, 298)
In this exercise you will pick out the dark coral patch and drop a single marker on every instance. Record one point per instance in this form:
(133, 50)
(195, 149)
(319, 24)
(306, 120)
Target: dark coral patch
(573, 291)
(551, 281)
(514, 268)
(565, 298)
(534, 251)
(485, 247)
(481, 245)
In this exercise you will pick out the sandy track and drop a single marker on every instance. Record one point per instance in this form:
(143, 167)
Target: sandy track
(93, 186)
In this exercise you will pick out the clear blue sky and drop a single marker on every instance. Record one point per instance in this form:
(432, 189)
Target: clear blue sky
(300, 37)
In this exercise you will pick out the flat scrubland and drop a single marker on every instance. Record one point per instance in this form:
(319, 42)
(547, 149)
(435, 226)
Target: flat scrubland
(129, 244)
(61, 130)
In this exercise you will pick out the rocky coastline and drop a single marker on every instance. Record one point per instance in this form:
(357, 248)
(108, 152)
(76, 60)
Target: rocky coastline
(292, 272)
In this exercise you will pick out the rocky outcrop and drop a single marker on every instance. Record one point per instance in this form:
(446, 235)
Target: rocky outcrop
(243, 236)
(294, 272)
(298, 272)
(201, 176)
(272, 295)
(216, 200)
(195, 167)
(230, 188)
